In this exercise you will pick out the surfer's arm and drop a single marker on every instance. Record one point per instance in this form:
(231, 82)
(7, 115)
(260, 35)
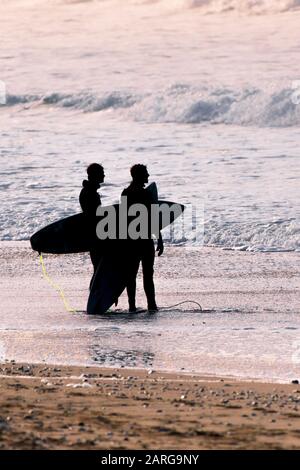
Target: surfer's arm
(160, 245)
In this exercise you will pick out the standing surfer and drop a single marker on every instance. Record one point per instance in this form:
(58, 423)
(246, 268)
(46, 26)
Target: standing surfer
(143, 250)
(90, 200)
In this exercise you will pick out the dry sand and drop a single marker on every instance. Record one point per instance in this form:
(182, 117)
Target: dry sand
(45, 407)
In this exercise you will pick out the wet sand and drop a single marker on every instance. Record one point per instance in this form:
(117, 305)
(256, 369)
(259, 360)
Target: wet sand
(44, 407)
(249, 326)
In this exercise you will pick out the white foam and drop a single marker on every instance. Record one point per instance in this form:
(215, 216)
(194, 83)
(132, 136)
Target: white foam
(203, 6)
(183, 103)
(245, 6)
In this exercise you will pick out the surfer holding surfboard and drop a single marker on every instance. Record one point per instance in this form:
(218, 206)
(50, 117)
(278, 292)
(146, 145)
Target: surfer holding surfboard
(116, 261)
(142, 250)
(90, 200)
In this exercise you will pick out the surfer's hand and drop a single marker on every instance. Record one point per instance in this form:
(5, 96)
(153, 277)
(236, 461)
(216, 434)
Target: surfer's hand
(160, 247)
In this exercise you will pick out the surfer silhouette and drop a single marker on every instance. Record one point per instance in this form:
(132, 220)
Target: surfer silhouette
(90, 200)
(143, 250)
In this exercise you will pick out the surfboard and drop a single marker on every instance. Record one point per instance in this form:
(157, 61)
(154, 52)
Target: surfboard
(73, 234)
(111, 276)
(77, 233)
(152, 190)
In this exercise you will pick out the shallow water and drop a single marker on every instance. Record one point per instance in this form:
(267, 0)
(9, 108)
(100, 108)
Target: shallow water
(221, 343)
(249, 326)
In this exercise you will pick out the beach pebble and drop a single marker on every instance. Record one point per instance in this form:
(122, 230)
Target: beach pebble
(295, 382)
(3, 424)
(46, 382)
(82, 385)
(28, 417)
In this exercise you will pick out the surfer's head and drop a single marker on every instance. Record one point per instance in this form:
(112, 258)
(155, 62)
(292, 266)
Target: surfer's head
(95, 173)
(139, 174)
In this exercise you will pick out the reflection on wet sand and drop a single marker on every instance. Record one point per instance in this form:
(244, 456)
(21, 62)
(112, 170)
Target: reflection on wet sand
(122, 358)
(133, 353)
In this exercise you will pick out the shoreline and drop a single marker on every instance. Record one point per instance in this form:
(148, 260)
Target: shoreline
(200, 377)
(48, 407)
(239, 249)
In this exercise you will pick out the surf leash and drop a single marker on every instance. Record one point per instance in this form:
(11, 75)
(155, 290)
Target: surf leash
(71, 310)
(55, 286)
(183, 302)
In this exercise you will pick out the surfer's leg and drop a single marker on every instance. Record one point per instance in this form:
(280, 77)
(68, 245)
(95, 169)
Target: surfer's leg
(95, 258)
(148, 271)
(131, 284)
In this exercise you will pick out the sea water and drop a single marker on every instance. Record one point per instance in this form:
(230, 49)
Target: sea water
(206, 93)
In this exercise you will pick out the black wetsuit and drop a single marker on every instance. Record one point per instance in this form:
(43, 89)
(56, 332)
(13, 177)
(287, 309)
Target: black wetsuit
(143, 251)
(89, 201)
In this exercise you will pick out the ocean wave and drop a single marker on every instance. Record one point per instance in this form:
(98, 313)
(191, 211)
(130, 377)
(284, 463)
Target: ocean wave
(276, 235)
(210, 6)
(250, 7)
(224, 6)
(182, 103)
(83, 101)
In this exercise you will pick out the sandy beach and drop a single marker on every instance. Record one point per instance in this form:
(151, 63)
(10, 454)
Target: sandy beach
(73, 387)
(46, 407)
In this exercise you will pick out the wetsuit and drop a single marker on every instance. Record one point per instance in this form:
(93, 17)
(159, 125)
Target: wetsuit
(89, 201)
(142, 251)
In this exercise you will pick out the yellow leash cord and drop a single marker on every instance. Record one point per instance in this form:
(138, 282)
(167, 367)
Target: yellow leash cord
(71, 310)
(55, 286)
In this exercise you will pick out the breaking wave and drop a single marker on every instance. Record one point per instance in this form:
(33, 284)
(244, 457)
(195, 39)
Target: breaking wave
(244, 6)
(184, 104)
(250, 7)
(209, 6)
(278, 235)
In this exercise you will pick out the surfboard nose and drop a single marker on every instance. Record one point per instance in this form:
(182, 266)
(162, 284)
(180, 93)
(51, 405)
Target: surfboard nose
(34, 242)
